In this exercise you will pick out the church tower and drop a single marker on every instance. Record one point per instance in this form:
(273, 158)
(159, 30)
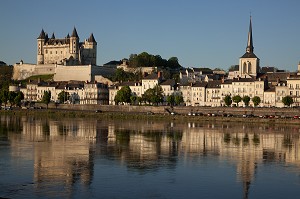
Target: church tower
(40, 47)
(249, 62)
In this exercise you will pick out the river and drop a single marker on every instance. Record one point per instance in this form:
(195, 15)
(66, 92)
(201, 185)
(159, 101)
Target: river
(89, 158)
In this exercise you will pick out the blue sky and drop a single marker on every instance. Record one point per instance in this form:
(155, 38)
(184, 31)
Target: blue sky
(211, 33)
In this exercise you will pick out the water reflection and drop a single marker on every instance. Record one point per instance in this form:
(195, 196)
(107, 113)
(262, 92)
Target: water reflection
(63, 152)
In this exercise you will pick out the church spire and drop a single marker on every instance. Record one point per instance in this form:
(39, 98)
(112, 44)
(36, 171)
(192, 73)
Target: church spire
(250, 47)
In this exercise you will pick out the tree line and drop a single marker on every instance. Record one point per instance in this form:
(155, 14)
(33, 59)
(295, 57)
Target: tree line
(145, 59)
(152, 96)
(287, 100)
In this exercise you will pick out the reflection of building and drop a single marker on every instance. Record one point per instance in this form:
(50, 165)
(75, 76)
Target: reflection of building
(63, 151)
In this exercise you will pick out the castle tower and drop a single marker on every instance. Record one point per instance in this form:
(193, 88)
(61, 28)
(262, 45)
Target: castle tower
(249, 62)
(93, 45)
(74, 45)
(40, 47)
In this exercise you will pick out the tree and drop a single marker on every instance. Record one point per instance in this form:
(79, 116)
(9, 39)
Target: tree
(246, 99)
(19, 98)
(237, 99)
(63, 96)
(153, 95)
(4, 96)
(123, 95)
(170, 99)
(178, 99)
(46, 98)
(287, 100)
(11, 97)
(133, 99)
(256, 100)
(228, 100)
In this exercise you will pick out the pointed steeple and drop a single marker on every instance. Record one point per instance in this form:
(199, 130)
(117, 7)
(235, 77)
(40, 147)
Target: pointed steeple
(68, 36)
(53, 36)
(250, 47)
(92, 38)
(74, 33)
(42, 35)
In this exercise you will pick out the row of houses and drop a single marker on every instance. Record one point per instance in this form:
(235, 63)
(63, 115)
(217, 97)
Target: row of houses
(269, 87)
(79, 92)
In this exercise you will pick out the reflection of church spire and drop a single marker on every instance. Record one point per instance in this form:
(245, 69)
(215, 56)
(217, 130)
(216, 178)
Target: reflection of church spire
(247, 170)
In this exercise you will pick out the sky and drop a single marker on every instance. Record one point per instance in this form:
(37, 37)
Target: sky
(200, 33)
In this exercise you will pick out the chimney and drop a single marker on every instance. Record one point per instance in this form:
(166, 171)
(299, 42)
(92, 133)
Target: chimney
(159, 74)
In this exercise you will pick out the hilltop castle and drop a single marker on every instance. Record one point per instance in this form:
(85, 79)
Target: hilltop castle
(66, 51)
(64, 58)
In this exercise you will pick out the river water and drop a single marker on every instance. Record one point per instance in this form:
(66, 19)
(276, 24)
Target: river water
(86, 158)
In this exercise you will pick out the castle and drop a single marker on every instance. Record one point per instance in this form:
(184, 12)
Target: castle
(66, 51)
(64, 58)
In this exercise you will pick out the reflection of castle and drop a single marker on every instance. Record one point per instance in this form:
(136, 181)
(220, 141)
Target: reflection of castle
(64, 150)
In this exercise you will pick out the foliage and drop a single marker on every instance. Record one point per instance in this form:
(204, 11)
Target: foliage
(153, 95)
(228, 100)
(4, 96)
(123, 95)
(120, 75)
(145, 59)
(63, 96)
(237, 99)
(246, 99)
(11, 97)
(19, 97)
(256, 100)
(170, 99)
(46, 98)
(5, 76)
(287, 100)
(178, 99)
(133, 99)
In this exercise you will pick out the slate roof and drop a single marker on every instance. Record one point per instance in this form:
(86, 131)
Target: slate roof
(151, 76)
(91, 38)
(249, 55)
(74, 33)
(170, 82)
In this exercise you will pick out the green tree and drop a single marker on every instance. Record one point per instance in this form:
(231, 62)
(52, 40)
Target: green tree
(18, 99)
(133, 99)
(178, 99)
(153, 95)
(228, 100)
(246, 99)
(256, 100)
(287, 100)
(63, 96)
(173, 63)
(170, 99)
(123, 95)
(4, 96)
(237, 99)
(46, 98)
(11, 97)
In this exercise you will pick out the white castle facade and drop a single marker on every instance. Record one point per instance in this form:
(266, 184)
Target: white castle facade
(66, 51)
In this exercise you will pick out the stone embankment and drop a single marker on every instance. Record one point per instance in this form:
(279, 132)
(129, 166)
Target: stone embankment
(181, 110)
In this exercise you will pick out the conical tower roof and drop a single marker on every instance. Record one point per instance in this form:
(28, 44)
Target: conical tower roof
(42, 35)
(53, 36)
(92, 38)
(74, 33)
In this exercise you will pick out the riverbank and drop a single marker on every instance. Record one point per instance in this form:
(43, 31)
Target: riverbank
(135, 116)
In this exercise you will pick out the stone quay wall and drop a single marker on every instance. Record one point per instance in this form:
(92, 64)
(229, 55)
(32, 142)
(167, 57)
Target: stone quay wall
(182, 110)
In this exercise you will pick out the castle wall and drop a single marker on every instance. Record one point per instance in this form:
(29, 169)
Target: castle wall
(79, 73)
